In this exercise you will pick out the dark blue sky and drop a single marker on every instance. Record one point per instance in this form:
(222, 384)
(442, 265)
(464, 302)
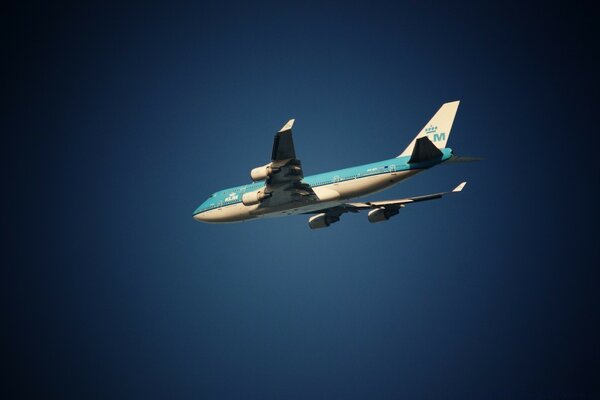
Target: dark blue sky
(119, 120)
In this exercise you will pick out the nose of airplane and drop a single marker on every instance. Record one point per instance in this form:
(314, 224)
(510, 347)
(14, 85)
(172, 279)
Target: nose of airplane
(209, 216)
(200, 214)
(200, 217)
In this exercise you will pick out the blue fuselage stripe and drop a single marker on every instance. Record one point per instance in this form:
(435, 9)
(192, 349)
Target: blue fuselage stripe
(233, 195)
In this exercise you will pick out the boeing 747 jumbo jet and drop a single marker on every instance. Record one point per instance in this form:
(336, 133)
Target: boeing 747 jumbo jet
(280, 188)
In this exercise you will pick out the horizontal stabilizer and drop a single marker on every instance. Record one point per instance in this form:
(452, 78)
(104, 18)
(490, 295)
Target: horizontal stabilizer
(424, 150)
(462, 159)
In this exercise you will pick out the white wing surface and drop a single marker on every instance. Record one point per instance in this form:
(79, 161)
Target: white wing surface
(385, 209)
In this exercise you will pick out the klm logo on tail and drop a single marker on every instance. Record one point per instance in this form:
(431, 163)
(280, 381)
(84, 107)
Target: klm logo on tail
(432, 130)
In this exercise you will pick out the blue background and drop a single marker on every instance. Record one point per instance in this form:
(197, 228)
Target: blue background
(118, 121)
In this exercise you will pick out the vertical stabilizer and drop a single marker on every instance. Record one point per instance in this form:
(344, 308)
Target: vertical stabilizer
(437, 130)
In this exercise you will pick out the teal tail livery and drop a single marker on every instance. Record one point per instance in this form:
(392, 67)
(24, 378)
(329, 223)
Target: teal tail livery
(280, 188)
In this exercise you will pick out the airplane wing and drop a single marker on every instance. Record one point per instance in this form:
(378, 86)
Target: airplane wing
(285, 183)
(386, 208)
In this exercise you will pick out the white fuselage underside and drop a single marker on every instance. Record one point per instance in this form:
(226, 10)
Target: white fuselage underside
(329, 195)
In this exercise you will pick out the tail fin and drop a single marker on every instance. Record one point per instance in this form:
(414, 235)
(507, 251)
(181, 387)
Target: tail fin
(437, 129)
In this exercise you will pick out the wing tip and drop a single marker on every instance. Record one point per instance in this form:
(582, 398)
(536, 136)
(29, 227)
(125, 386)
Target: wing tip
(459, 188)
(288, 125)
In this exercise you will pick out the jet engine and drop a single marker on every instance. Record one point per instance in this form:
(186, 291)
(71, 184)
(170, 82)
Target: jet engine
(252, 198)
(380, 215)
(321, 221)
(262, 173)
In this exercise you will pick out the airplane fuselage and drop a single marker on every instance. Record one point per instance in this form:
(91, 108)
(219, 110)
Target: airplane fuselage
(331, 188)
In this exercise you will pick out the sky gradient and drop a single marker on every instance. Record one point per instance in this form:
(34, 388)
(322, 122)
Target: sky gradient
(120, 120)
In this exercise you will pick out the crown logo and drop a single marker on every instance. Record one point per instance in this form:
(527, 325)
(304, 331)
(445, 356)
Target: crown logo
(431, 129)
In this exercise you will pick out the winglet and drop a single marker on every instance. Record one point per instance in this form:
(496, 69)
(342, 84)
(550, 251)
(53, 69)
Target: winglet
(459, 187)
(287, 126)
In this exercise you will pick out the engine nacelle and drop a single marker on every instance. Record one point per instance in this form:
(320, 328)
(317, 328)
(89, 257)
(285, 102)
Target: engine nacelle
(262, 173)
(252, 198)
(321, 221)
(380, 215)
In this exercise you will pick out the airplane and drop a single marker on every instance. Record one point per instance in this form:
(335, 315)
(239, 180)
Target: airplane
(280, 188)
